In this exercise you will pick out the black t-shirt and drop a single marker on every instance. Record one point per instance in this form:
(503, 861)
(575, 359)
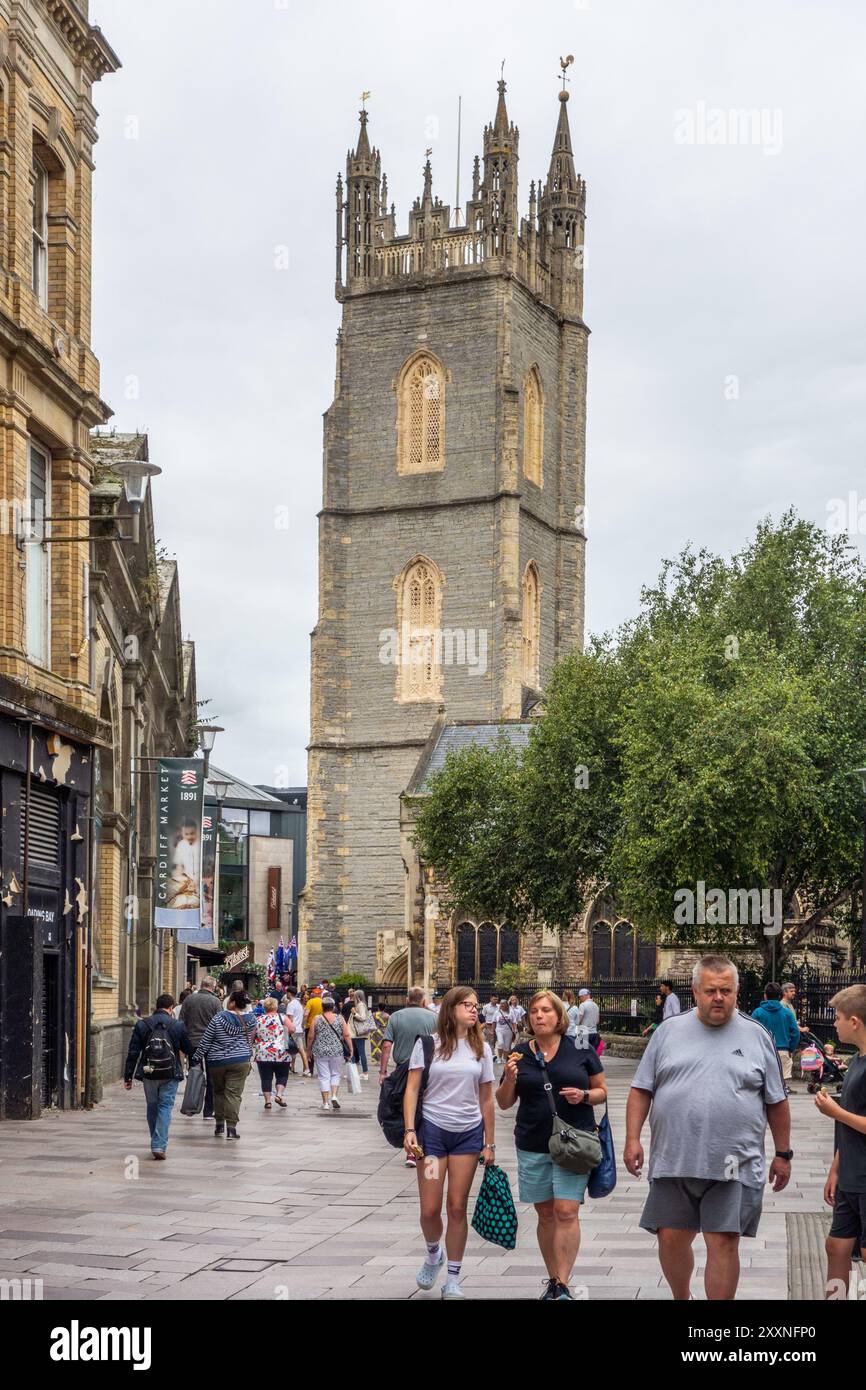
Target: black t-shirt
(849, 1142)
(570, 1067)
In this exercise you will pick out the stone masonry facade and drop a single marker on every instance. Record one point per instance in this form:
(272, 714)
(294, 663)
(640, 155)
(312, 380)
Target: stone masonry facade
(491, 300)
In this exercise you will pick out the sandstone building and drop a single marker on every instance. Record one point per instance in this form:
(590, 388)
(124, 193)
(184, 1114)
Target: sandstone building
(451, 549)
(50, 722)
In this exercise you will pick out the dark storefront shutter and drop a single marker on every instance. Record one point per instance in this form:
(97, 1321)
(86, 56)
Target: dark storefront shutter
(44, 829)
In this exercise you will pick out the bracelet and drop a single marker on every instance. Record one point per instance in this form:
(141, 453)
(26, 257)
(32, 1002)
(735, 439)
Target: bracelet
(408, 1131)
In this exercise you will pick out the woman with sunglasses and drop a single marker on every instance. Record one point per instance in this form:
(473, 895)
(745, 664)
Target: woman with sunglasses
(457, 1126)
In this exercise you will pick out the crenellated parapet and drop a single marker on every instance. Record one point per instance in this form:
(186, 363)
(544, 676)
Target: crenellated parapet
(543, 249)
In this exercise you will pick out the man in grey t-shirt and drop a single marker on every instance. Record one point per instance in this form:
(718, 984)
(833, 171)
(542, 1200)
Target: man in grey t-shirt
(713, 1080)
(404, 1026)
(588, 1015)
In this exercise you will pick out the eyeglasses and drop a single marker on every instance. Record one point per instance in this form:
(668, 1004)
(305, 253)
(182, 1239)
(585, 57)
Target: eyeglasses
(473, 1007)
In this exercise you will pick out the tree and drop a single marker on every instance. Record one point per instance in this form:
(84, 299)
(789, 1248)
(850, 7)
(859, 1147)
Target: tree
(711, 742)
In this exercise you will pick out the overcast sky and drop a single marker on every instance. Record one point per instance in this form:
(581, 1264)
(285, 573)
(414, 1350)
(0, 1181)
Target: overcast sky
(724, 281)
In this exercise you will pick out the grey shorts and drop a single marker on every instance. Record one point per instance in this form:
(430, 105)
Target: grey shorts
(702, 1204)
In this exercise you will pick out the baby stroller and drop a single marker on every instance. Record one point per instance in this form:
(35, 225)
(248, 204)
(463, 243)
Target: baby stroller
(817, 1066)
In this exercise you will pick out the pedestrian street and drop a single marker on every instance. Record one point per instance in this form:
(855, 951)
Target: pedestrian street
(312, 1205)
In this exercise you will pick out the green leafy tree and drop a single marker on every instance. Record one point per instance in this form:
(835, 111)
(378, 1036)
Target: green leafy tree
(712, 741)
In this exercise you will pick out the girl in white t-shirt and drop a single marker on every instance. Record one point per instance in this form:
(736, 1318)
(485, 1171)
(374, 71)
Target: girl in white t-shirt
(457, 1126)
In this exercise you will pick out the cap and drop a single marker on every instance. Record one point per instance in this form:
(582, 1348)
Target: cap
(581, 993)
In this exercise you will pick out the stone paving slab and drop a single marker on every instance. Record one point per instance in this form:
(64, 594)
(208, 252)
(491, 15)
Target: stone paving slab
(311, 1206)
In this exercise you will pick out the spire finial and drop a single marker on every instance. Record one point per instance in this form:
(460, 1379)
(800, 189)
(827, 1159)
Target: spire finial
(565, 64)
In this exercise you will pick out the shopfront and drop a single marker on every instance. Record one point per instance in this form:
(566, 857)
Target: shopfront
(44, 902)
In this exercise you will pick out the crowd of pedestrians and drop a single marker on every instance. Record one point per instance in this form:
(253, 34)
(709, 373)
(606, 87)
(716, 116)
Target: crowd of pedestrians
(712, 1082)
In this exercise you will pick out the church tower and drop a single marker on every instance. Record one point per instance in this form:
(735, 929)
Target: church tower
(451, 545)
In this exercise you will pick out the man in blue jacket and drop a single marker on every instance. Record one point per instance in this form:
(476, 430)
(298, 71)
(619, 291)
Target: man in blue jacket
(154, 1058)
(781, 1023)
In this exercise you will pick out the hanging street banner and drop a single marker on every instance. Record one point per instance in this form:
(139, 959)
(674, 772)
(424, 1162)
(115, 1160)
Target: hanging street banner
(180, 805)
(206, 934)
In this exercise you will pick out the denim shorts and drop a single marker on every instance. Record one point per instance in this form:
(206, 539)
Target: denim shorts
(541, 1180)
(439, 1143)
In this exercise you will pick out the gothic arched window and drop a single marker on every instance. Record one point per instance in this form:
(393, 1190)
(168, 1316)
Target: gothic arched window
(533, 428)
(421, 416)
(419, 607)
(531, 626)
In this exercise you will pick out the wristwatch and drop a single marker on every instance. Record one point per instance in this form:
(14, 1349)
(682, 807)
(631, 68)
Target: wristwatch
(787, 1154)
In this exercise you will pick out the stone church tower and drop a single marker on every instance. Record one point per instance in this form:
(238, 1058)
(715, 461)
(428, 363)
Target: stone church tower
(451, 536)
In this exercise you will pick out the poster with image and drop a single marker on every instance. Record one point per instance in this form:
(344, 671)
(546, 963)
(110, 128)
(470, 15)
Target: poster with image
(180, 805)
(205, 935)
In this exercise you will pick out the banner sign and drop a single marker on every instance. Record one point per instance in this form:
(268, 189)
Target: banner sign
(232, 961)
(206, 934)
(180, 803)
(274, 897)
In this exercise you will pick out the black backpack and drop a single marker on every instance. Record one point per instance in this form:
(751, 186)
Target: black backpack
(392, 1091)
(159, 1059)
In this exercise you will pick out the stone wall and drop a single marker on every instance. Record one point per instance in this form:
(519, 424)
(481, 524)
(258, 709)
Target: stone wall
(109, 1043)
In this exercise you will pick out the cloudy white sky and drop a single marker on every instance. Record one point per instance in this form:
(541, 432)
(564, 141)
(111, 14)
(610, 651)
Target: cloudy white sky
(724, 282)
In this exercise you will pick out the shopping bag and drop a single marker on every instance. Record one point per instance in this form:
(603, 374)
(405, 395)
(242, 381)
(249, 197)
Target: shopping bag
(193, 1091)
(353, 1077)
(495, 1217)
(602, 1179)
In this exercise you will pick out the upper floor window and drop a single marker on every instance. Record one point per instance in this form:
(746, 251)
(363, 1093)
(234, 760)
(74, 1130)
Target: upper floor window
(419, 606)
(421, 416)
(38, 572)
(531, 627)
(533, 428)
(40, 233)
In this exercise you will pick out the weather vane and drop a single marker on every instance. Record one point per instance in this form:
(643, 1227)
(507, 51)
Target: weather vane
(502, 71)
(365, 97)
(565, 64)
(428, 151)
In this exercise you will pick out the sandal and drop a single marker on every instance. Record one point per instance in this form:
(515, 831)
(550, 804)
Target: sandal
(268, 1105)
(280, 1101)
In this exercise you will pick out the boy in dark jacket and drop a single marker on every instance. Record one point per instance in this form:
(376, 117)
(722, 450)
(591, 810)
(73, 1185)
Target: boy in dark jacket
(154, 1058)
(782, 1023)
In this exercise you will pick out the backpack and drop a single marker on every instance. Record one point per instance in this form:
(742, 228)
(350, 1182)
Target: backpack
(392, 1091)
(159, 1059)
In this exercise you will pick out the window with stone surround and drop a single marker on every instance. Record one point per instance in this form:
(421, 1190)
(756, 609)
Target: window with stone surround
(531, 626)
(419, 607)
(421, 415)
(533, 427)
(40, 233)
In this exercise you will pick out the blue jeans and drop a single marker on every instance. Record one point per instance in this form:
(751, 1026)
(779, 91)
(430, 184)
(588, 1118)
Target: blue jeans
(160, 1103)
(360, 1053)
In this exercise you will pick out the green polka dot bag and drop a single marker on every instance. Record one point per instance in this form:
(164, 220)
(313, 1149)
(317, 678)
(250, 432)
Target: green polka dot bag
(495, 1217)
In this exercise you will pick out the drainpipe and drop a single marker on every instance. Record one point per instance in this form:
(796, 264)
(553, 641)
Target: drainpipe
(88, 966)
(25, 866)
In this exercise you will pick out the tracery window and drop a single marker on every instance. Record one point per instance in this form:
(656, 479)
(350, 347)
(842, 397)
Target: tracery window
(533, 428)
(419, 673)
(531, 627)
(421, 416)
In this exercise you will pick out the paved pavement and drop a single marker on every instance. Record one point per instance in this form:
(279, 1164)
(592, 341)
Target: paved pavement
(310, 1205)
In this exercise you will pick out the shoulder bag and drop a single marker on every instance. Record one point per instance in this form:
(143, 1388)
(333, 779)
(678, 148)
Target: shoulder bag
(576, 1150)
(347, 1050)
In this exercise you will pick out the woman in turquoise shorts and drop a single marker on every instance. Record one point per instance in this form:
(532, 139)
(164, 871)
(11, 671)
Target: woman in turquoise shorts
(578, 1084)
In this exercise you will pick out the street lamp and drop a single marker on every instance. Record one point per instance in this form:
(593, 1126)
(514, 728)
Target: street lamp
(135, 475)
(206, 738)
(861, 772)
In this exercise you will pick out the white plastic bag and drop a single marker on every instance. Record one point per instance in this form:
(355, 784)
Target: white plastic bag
(353, 1078)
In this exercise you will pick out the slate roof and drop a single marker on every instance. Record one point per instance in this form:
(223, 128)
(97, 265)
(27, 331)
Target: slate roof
(241, 793)
(455, 736)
